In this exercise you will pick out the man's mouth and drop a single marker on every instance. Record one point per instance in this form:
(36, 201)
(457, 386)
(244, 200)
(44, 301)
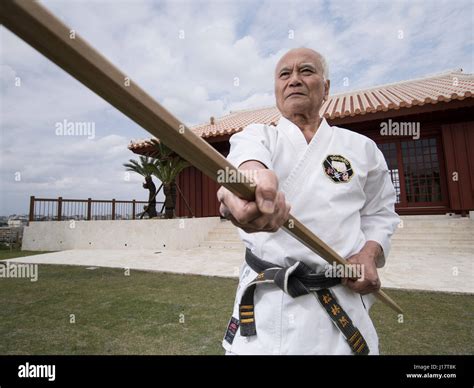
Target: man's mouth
(295, 94)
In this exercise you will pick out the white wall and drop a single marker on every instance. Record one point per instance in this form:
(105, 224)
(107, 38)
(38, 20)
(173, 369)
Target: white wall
(133, 234)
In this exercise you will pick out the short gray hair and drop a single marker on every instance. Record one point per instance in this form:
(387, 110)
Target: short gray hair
(321, 58)
(323, 61)
(325, 66)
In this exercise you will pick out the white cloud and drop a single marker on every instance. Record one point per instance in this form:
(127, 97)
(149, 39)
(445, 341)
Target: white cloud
(255, 100)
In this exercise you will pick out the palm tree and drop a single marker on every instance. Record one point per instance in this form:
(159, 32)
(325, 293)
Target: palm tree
(167, 165)
(145, 167)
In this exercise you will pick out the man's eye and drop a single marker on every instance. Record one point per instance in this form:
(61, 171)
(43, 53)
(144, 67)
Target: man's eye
(284, 74)
(307, 71)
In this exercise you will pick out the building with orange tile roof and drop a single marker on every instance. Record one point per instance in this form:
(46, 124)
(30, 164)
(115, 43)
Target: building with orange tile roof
(433, 172)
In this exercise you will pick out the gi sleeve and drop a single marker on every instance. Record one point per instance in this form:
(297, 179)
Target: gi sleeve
(253, 143)
(378, 218)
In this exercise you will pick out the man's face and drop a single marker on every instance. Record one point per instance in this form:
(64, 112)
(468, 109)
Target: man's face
(299, 83)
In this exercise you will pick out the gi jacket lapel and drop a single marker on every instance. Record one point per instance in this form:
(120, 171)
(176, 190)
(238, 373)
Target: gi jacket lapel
(307, 155)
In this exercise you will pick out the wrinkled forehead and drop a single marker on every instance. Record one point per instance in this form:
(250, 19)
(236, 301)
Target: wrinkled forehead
(298, 58)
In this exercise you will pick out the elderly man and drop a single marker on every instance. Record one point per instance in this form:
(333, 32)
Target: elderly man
(338, 185)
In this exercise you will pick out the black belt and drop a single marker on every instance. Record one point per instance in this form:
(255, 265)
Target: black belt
(296, 280)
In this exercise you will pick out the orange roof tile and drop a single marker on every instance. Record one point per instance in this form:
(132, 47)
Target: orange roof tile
(452, 85)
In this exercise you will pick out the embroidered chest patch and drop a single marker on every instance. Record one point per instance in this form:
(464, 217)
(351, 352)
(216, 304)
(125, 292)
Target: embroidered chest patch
(338, 168)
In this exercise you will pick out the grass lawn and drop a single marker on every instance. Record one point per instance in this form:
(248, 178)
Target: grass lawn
(7, 254)
(155, 313)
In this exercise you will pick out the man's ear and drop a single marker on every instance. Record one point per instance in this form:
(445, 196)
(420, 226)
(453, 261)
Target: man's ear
(327, 85)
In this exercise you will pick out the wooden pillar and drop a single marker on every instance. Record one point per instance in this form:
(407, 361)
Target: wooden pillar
(32, 208)
(133, 209)
(89, 209)
(113, 209)
(60, 208)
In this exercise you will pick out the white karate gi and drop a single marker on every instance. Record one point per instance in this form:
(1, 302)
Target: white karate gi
(344, 215)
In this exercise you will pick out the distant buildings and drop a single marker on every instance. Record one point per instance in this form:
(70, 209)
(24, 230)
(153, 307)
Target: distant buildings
(11, 229)
(17, 221)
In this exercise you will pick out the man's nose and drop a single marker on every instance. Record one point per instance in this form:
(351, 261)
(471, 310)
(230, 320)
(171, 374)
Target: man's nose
(294, 79)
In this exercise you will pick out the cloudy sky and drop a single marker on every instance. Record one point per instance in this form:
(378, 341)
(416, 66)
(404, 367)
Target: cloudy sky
(365, 42)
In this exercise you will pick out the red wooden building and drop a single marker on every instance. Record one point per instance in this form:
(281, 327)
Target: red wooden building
(432, 171)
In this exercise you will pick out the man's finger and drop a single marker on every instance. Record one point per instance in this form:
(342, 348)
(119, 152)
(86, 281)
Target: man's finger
(362, 286)
(266, 191)
(242, 210)
(224, 210)
(248, 228)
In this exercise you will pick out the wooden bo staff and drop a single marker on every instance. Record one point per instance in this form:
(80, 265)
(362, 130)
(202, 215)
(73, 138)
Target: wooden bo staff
(42, 30)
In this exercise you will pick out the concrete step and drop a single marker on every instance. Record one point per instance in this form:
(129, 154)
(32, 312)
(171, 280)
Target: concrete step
(408, 221)
(227, 238)
(434, 237)
(226, 224)
(441, 237)
(432, 253)
(454, 224)
(436, 231)
(446, 239)
(233, 240)
(224, 234)
(437, 217)
(402, 248)
(432, 234)
(416, 251)
(435, 244)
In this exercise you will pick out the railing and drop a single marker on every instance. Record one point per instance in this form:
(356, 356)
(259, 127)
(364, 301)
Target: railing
(62, 209)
